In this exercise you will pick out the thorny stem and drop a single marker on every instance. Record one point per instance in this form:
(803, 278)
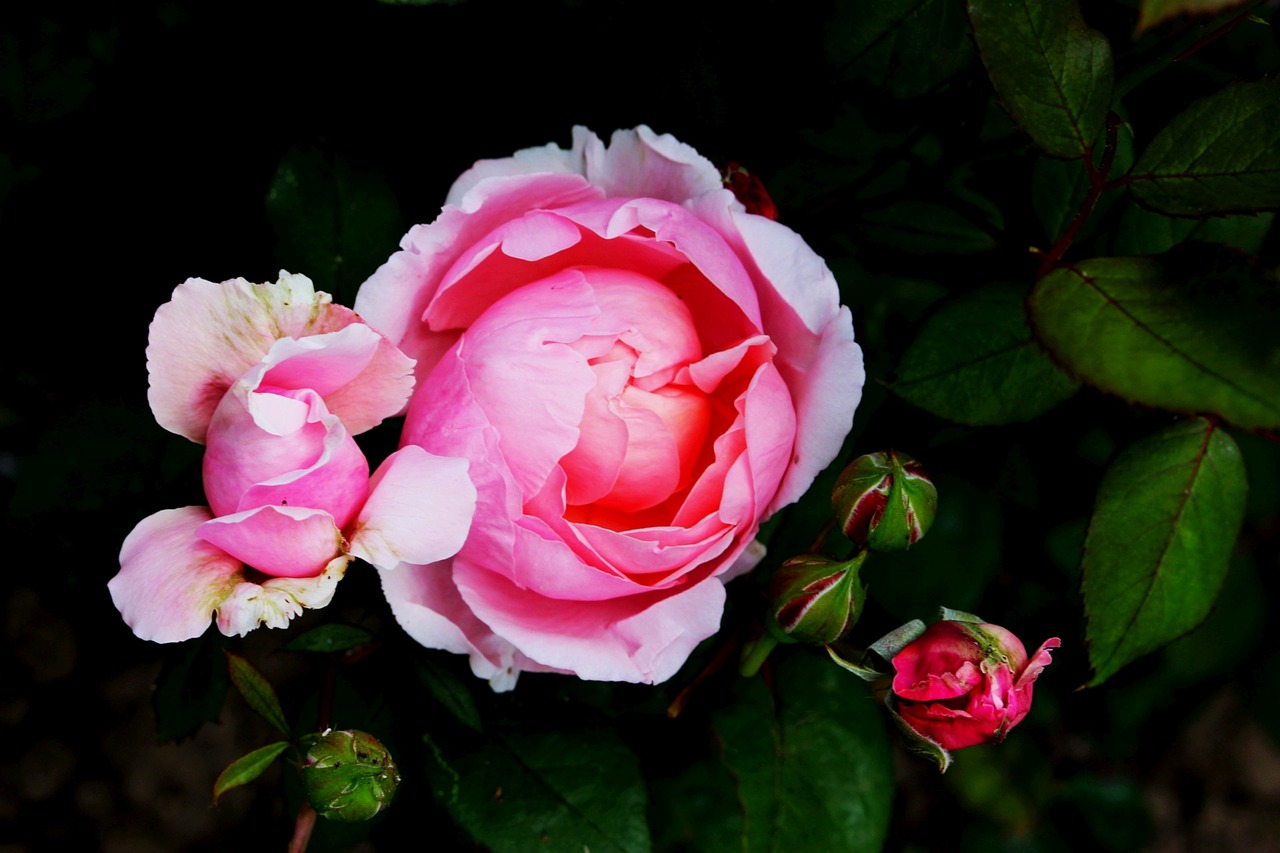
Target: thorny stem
(1097, 185)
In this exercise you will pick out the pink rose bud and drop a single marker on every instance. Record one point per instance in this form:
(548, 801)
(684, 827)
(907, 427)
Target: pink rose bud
(966, 683)
(885, 501)
(816, 599)
(750, 190)
(349, 776)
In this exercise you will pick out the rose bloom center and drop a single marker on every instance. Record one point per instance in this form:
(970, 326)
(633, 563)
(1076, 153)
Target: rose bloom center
(645, 423)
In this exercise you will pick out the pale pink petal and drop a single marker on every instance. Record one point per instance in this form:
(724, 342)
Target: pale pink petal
(323, 363)
(641, 638)
(428, 607)
(641, 163)
(419, 510)
(528, 161)
(530, 385)
(170, 581)
(208, 335)
(277, 600)
(282, 541)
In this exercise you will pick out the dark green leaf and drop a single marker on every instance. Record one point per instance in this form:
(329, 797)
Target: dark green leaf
(1145, 232)
(1190, 334)
(1166, 517)
(257, 691)
(245, 769)
(451, 693)
(191, 688)
(1220, 155)
(1053, 74)
(975, 361)
(920, 227)
(1059, 187)
(814, 774)
(333, 637)
(1153, 12)
(558, 791)
(906, 46)
(333, 223)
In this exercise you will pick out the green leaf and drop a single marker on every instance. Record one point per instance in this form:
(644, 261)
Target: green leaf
(333, 223)
(1145, 232)
(1053, 74)
(905, 46)
(976, 361)
(1159, 542)
(334, 637)
(921, 227)
(1190, 334)
(1059, 187)
(451, 693)
(817, 773)
(1220, 155)
(257, 691)
(191, 687)
(558, 791)
(245, 769)
(1154, 12)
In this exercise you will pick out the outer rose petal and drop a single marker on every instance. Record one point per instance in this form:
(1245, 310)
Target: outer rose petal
(941, 663)
(640, 163)
(208, 335)
(427, 605)
(170, 581)
(419, 510)
(640, 638)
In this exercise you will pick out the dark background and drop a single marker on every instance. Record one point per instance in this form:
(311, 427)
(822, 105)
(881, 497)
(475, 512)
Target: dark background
(138, 143)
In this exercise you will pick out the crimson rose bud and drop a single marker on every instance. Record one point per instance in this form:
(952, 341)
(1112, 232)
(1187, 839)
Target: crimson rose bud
(750, 191)
(965, 683)
(816, 599)
(349, 775)
(885, 501)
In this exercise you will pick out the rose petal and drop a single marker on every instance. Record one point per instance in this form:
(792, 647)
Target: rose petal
(208, 335)
(170, 581)
(428, 607)
(642, 638)
(394, 299)
(643, 163)
(274, 602)
(419, 510)
(941, 663)
(282, 541)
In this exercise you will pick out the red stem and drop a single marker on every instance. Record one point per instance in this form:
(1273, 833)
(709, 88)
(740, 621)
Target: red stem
(1097, 185)
(1215, 35)
(302, 829)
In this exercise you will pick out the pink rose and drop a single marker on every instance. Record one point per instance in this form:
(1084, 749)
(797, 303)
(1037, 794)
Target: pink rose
(965, 683)
(288, 489)
(639, 371)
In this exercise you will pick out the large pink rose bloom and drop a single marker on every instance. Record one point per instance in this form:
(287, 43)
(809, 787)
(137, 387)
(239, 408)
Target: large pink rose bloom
(963, 683)
(289, 491)
(639, 371)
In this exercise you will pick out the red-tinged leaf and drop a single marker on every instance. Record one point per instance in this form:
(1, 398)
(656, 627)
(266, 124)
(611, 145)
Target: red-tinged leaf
(257, 691)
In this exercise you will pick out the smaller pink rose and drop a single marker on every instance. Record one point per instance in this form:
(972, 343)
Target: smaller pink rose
(288, 489)
(965, 683)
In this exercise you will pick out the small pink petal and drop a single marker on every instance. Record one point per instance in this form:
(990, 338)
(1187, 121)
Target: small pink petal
(282, 541)
(419, 510)
(170, 581)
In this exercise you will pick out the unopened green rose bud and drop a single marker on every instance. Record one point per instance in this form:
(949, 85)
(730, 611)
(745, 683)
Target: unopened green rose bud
(885, 501)
(349, 775)
(816, 599)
